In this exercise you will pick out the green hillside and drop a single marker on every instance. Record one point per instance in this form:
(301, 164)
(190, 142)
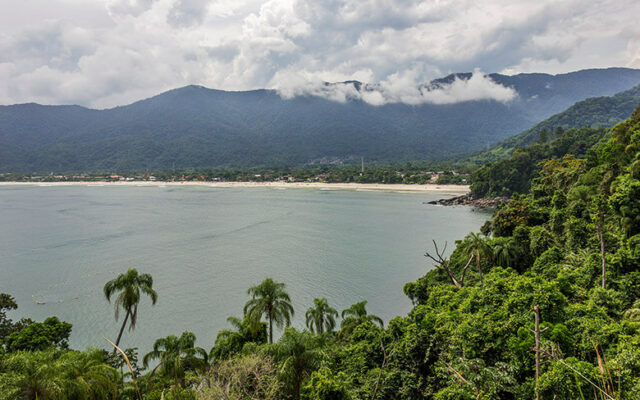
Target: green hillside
(195, 127)
(509, 167)
(513, 174)
(545, 303)
(594, 112)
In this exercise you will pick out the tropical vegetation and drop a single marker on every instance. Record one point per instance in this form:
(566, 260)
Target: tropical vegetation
(130, 285)
(321, 317)
(271, 300)
(542, 303)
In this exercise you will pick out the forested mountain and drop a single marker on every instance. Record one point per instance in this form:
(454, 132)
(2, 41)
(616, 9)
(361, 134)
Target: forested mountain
(195, 127)
(544, 303)
(603, 111)
(513, 175)
(509, 167)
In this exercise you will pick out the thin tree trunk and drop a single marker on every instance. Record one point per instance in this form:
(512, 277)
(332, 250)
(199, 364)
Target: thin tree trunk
(297, 387)
(384, 361)
(124, 323)
(270, 330)
(602, 253)
(536, 310)
(153, 371)
(176, 383)
(479, 268)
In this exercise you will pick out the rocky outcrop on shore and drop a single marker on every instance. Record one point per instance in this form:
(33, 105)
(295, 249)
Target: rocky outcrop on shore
(469, 200)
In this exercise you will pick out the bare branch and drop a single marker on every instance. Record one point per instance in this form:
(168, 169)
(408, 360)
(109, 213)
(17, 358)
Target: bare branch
(436, 247)
(444, 264)
(384, 362)
(133, 375)
(436, 261)
(464, 270)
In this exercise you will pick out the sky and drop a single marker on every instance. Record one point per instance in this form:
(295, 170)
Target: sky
(104, 53)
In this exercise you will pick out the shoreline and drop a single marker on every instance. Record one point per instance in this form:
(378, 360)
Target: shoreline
(380, 187)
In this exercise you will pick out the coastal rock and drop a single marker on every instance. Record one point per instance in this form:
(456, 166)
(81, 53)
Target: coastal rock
(468, 200)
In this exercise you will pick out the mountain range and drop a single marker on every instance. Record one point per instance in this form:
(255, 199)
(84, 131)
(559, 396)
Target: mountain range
(196, 127)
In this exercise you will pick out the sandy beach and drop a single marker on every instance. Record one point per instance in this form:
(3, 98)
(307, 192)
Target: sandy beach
(431, 188)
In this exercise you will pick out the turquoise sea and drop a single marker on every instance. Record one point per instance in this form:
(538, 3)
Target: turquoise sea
(205, 246)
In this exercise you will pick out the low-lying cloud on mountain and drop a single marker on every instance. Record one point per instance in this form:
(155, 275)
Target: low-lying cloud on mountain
(103, 53)
(395, 121)
(403, 88)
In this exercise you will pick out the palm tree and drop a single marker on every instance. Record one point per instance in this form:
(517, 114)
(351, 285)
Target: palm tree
(53, 375)
(87, 376)
(321, 317)
(356, 315)
(31, 375)
(269, 299)
(229, 342)
(477, 245)
(298, 354)
(505, 251)
(175, 354)
(130, 285)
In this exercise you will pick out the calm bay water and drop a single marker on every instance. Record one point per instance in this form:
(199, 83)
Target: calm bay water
(205, 246)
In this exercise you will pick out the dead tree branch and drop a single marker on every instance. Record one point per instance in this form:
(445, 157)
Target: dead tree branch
(445, 265)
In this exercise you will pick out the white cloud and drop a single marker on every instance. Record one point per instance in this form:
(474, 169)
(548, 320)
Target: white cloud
(103, 53)
(129, 7)
(403, 88)
(185, 13)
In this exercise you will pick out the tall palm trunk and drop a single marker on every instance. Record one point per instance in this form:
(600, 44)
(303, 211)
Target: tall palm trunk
(176, 384)
(124, 323)
(298, 381)
(270, 325)
(296, 388)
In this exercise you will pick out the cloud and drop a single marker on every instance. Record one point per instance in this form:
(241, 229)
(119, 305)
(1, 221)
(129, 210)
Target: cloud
(403, 88)
(185, 13)
(129, 7)
(103, 53)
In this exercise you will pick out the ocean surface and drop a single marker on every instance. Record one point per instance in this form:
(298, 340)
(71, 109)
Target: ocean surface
(205, 246)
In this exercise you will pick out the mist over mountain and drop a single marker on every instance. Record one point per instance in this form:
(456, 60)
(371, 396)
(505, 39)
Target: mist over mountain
(196, 127)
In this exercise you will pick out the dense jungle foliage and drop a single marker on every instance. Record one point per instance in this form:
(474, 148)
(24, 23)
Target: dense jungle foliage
(570, 247)
(509, 167)
(514, 174)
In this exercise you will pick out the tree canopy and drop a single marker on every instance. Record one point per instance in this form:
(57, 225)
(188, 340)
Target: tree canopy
(549, 308)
